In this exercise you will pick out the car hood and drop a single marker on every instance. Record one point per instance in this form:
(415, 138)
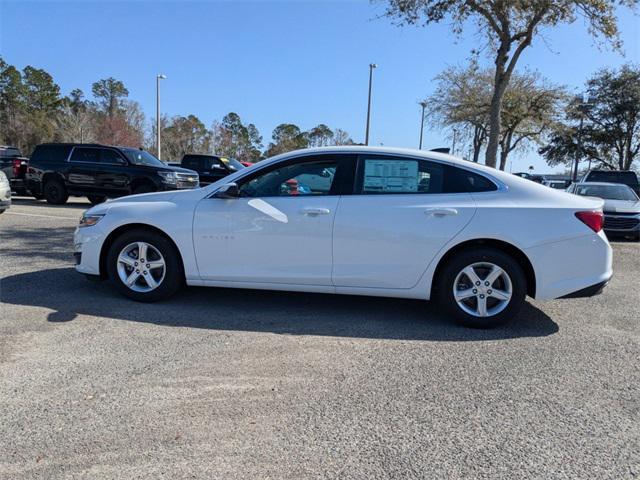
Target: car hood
(179, 169)
(622, 206)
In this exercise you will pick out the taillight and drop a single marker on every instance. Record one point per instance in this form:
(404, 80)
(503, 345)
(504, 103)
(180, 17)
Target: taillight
(17, 164)
(593, 219)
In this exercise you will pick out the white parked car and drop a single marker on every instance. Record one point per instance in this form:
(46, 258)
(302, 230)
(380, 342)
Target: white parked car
(5, 193)
(379, 221)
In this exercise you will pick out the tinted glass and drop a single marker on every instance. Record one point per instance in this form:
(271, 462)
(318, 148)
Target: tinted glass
(195, 163)
(50, 153)
(141, 157)
(111, 156)
(608, 192)
(300, 179)
(232, 163)
(9, 152)
(81, 154)
(628, 178)
(458, 180)
(388, 175)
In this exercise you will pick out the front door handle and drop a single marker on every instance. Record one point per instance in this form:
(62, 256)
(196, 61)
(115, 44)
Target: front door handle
(441, 212)
(314, 212)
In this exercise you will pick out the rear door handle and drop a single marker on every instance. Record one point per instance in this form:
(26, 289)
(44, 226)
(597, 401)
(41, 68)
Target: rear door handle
(314, 212)
(441, 212)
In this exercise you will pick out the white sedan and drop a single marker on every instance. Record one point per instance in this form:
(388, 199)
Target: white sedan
(358, 221)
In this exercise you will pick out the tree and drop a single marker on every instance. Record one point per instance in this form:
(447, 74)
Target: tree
(610, 133)
(11, 105)
(234, 139)
(75, 120)
(41, 106)
(110, 93)
(341, 137)
(462, 100)
(509, 27)
(320, 136)
(286, 137)
(185, 135)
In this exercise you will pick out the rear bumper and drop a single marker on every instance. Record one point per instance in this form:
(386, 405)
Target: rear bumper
(570, 266)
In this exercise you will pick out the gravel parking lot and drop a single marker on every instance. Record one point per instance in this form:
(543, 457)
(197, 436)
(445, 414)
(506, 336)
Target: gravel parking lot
(220, 383)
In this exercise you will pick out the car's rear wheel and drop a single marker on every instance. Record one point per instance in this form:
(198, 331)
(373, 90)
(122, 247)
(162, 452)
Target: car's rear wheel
(96, 199)
(55, 192)
(482, 287)
(144, 266)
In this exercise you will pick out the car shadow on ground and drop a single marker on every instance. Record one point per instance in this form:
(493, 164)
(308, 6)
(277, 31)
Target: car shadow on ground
(69, 294)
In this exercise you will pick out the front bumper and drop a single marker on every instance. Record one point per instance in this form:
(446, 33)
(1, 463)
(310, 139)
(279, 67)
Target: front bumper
(87, 243)
(590, 291)
(622, 224)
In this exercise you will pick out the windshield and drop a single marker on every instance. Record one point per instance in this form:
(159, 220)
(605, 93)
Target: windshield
(142, 157)
(608, 192)
(232, 163)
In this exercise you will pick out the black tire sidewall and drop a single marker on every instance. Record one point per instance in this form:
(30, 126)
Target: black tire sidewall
(58, 196)
(482, 254)
(96, 199)
(144, 188)
(174, 274)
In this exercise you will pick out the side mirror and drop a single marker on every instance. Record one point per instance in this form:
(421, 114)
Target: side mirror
(228, 191)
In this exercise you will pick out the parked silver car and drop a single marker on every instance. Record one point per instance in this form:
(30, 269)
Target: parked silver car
(5, 193)
(621, 206)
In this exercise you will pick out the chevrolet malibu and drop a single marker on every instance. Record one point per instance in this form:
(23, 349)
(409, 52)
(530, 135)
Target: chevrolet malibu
(362, 221)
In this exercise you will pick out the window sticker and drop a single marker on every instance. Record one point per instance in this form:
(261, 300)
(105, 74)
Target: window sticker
(390, 176)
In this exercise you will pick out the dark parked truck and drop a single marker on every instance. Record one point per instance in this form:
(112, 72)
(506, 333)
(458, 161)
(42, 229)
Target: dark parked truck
(14, 166)
(58, 170)
(210, 168)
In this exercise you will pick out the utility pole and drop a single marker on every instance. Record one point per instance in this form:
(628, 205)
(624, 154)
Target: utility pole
(158, 78)
(423, 104)
(366, 135)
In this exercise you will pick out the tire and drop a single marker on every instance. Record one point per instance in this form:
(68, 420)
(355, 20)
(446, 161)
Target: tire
(96, 199)
(55, 192)
(144, 188)
(468, 311)
(169, 278)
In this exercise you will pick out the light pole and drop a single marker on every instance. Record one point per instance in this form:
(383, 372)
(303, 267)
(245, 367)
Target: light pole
(366, 135)
(423, 104)
(453, 146)
(158, 78)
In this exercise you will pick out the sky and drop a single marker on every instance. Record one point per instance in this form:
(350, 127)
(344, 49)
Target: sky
(302, 62)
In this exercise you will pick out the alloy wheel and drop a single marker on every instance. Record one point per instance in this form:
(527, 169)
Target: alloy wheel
(482, 289)
(141, 267)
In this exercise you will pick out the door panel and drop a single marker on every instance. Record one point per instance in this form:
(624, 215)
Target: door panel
(387, 241)
(113, 173)
(83, 166)
(279, 230)
(272, 239)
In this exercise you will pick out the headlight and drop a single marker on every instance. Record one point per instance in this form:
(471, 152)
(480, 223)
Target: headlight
(170, 178)
(90, 220)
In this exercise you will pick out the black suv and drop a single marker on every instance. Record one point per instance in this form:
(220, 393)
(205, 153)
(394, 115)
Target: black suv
(57, 170)
(210, 168)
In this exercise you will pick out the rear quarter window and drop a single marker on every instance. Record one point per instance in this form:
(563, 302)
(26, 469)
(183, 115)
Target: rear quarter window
(459, 180)
(50, 153)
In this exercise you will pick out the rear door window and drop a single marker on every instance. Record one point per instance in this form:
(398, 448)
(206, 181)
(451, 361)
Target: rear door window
(398, 175)
(86, 155)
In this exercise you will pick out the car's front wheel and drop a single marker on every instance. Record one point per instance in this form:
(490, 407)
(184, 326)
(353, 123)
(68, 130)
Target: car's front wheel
(96, 199)
(482, 287)
(144, 266)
